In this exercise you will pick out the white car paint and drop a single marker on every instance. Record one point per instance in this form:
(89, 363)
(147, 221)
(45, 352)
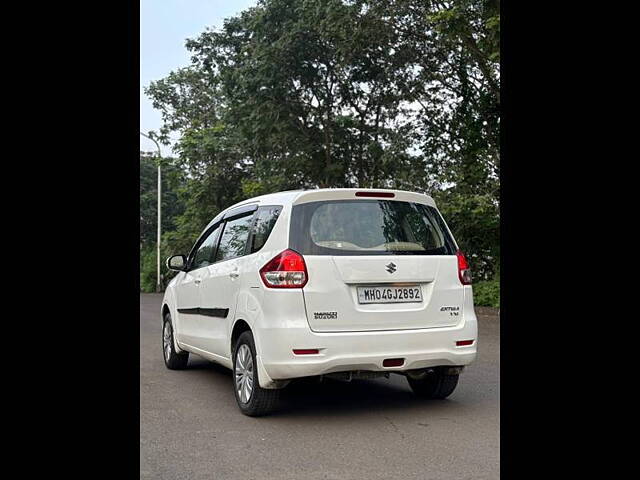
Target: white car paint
(281, 320)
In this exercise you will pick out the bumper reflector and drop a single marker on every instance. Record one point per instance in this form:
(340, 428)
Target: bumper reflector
(462, 343)
(305, 351)
(393, 362)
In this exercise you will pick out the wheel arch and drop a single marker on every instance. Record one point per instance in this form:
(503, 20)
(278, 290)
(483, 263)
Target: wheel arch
(239, 327)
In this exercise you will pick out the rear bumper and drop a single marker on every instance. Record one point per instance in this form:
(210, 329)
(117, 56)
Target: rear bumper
(348, 351)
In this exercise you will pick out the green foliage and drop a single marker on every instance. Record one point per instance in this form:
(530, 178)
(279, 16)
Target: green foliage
(474, 220)
(148, 269)
(172, 205)
(487, 293)
(175, 197)
(296, 94)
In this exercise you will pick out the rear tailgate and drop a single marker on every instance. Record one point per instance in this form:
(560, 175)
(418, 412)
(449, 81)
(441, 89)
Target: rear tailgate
(333, 304)
(376, 260)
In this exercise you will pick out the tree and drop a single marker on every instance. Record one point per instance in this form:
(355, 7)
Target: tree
(173, 179)
(172, 205)
(331, 93)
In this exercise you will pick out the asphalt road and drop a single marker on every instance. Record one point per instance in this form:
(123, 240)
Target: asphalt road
(191, 428)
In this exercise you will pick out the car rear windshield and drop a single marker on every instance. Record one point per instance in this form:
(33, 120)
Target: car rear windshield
(369, 227)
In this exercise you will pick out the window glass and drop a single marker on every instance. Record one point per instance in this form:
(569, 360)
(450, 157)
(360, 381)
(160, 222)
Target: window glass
(265, 220)
(368, 228)
(234, 238)
(204, 254)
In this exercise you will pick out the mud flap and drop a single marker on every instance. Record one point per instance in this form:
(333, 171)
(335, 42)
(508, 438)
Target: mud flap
(265, 381)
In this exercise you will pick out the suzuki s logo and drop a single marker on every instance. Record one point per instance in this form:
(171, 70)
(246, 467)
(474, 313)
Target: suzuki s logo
(391, 268)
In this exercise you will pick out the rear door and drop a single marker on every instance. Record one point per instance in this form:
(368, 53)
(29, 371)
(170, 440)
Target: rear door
(376, 265)
(221, 282)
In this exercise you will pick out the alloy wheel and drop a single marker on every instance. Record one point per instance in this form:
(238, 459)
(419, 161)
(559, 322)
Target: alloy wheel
(166, 340)
(244, 373)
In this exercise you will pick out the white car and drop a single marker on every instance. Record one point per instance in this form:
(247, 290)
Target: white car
(349, 283)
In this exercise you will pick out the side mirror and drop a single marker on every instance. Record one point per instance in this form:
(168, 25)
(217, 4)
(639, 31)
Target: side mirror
(177, 262)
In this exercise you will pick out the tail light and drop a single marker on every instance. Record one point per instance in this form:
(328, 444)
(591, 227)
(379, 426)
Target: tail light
(285, 270)
(464, 272)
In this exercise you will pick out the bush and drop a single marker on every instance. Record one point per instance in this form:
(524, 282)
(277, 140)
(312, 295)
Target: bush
(148, 269)
(148, 275)
(475, 222)
(487, 293)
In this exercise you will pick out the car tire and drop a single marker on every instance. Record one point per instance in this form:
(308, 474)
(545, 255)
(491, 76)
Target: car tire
(172, 359)
(252, 399)
(434, 384)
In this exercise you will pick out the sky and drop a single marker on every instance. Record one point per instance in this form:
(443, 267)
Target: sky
(164, 27)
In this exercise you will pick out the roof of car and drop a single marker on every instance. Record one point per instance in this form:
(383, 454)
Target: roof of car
(303, 196)
(296, 197)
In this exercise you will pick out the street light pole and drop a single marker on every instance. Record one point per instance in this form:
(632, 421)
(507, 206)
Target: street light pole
(158, 286)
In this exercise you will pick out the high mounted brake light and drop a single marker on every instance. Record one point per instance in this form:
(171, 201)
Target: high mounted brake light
(285, 270)
(464, 272)
(376, 194)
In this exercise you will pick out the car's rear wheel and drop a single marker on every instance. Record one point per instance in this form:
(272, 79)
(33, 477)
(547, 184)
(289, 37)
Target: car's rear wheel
(172, 359)
(252, 399)
(434, 383)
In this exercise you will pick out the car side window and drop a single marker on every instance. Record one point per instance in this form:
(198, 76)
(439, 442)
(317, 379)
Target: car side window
(234, 238)
(265, 220)
(206, 250)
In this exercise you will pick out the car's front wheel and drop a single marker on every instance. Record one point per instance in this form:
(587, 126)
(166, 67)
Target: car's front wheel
(433, 383)
(252, 399)
(172, 359)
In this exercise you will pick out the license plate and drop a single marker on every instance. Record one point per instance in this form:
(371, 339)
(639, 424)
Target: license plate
(405, 294)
